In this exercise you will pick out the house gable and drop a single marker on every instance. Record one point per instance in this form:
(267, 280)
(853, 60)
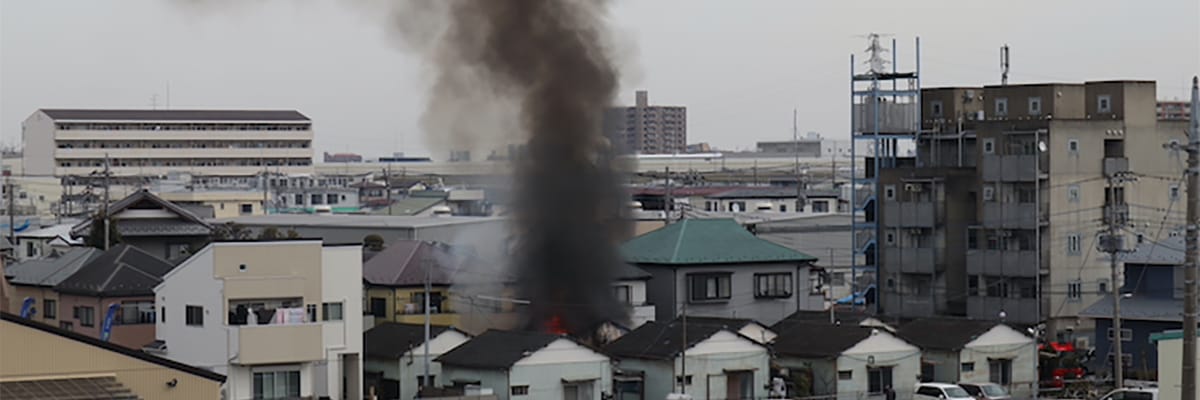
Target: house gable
(446, 341)
(757, 332)
(724, 342)
(880, 342)
(562, 351)
(1000, 335)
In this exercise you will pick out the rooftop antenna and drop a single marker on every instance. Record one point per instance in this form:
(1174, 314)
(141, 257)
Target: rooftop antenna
(1004, 65)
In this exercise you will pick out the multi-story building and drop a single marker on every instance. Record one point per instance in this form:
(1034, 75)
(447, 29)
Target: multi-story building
(281, 319)
(1025, 183)
(1174, 110)
(647, 129)
(154, 142)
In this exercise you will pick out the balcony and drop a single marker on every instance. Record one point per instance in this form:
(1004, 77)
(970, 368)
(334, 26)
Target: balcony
(84, 134)
(94, 153)
(1009, 168)
(892, 118)
(911, 259)
(909, 214)
(236, 170)
(1114, 166)
(1013, 263)
(1011, 215)
(276, 344)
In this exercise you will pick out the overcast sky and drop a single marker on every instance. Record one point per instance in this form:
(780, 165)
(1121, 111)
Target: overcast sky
(740, 67)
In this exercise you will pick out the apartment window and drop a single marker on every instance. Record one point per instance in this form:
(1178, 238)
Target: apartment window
(137, 312)
(1001, 106)
(331, 198)
(86, 315)
(1073, 193)
(1126, 334)
(773, 285)
(820, 206)
(972, 285)
(276, 385)
(1102, 286)
(64, 325)
(522, 390)
(246, 209)
(317, 199)
(967, 367)
(1035, 106)
(1074, 245)
(194, 315)
(1173, 192)
(49, 309)
(889, 192)
(331, 311)
(879, 379)
(935, 108)
(1104, 104)
(709, 287)
(989, 193)
(435, 302)
(1075, 290)
(997, 286)
(310, 310)
(378, 307)
(299, 200)
(623, 294)
(1000, 371)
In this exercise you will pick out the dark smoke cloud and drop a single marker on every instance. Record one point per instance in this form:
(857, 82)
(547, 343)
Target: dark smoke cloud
(544, 66)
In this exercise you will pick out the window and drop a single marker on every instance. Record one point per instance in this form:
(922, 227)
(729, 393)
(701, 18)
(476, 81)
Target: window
(737, 206)
(972, 285)
(935, 108)
(989, 193)
(66, 326)
(30, 249)
(194, 316)
(247, 208)
(86, 315)
(622, 292)
(1035, 106)
(1001, 106)
(989, 146)
(435, 302)
(1104, 104)
(137, 312)
(421, 380)
(686, 380)
(310, 310)
(1074, 290)
(331, 198)
(1126, 334)
(299, 200)
(1073, 193)
(997, 286)
(277, 385)
(709, 287)
(845, 375)
(773, 285)
(879, 379)
(1173, 192)
(889, 192)
(49, 309)
(162, 314)
(968, 367)
(331, 311)
(783, 208)
(316, 199)
(1000, 371)
(1073, 146)
(820, 206)
(1073, 245)
(889, 238)
(379, 307)
(1102, 286)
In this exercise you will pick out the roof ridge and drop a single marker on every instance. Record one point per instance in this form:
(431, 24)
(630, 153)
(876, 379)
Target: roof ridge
(679, 240)
(113, 273)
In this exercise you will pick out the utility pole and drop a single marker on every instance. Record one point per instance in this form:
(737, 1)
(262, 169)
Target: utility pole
(104, 207)
(796, 153)
(387, 186)
(12, 219)
(1193, 253)
(1115, 217)
(683, 352)
(428, 288)
(667, 203)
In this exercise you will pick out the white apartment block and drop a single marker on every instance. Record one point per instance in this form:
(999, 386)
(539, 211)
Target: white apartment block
(62, 142)
(281, 319)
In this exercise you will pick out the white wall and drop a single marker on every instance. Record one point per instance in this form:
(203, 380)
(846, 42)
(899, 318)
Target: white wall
(37, 136)
(562, 360)
(640, 313)
(1003, 342)
(708, 361)
(192, 283)
(758, 333)
(886, 350)
(341, 281)
(412, 363)
(1170, 373)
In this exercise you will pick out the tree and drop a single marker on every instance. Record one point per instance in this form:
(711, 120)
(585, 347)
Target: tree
(292, 234)
(231, 231)
(269, 233)
(373, 242)
(95, 237)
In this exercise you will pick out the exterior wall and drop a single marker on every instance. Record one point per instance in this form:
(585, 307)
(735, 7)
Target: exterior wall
(397, 298)
(131, 336)
(1170, 372)
(1003, 342)
(31, 353)
(412, 364)
(658, 379)
(647, 129)
(39, 295)
(37, 136)
(887, 350)
(497, 380)
(638, 309)
(1144, 356)
(240, 379)
(945, 365)
(710, 361)
(742, 303)
(192, 283)
(225, 204)
(547, 370)
(341, 281)
(811, 377)
(776, 204)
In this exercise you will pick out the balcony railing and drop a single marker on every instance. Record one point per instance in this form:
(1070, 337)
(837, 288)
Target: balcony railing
(276, 344)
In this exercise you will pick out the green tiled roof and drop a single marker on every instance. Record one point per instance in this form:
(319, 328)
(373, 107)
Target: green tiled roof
(706, 241)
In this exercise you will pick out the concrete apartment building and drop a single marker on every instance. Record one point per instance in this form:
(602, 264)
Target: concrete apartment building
(647, 129)
(281, 319)
(980, 176)
(63, 142)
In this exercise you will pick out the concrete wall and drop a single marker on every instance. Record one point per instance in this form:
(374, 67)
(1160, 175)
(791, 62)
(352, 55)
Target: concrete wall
(1003, 342)
(658, 379)
(742, 302)
(412, 365)
(886, 350)
(131, 336)
(38, 294)
(341, 282)
(1170, 371)
(192, 283)
(37, 136)
(710, 362)
(497, 380)
(546, 371)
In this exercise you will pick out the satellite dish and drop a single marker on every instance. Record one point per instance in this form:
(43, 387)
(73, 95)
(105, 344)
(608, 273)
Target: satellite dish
(1042, 146)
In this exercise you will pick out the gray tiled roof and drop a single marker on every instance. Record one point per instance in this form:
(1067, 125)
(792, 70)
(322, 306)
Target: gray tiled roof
(1168, 251)
(176, 115)
(1137, 308)
(123, 270)
(161, 227)
(50, 271)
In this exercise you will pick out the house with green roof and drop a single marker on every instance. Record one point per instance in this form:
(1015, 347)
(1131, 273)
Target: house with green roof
(717, 268)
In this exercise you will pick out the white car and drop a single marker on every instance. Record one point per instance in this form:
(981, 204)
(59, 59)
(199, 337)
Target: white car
(941, 391)
(1132, 394)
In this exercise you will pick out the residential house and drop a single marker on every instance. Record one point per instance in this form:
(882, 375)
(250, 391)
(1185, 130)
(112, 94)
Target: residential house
(717, 268)
(395, 278)
(824, 236)
(32, 284)
(743, 326)
(279, 318)
(720, 362)
(834, 316)
(112, 296)
(44, 362)
(630, 289)
(847, 361)
(45, 242)
(528, 365)
(395, 356)
(961, 350)
(1151, 303)
(159, 227)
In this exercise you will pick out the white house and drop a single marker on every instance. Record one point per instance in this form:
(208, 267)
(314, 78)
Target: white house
(630, 290)
(41, 243)
(847, 361)
(395, 356)
(956, 350)
(528, 365)
(720, 362)
(278, 318)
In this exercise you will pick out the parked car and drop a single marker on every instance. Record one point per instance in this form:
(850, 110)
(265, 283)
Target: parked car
(941, 391)
(986, 391)
(1132, 394)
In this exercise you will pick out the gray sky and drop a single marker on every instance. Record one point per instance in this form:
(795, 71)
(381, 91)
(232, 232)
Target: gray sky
(739, 66)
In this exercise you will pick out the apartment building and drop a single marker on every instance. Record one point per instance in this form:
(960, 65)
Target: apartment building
(281, 319)
(1020, 173)
(1180, 110)
(62, 142)
(647, 129)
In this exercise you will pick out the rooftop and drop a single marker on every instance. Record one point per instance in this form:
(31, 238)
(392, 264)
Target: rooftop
(51, 270)
(390, 340)
(660, 340)
(1137, 308)
(354, 221)
(943, 333)
(820, 341)
(176, 115)
(123, 270)
(706, 241)
(497, 349)
(403, 263)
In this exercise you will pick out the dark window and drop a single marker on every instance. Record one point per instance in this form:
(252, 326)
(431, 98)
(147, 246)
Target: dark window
(1000, 371)
(708, 287)
(623, 294)
(997, 286)
(194, 316)
(773, 285)
(968, 367)
(972, 285)
(879, 379)
(299, 199)
(316, 199)
(137, 312)
(276, 385)
(311, 311)
(421, 380)
(845, 375)
(378, 307)
(522, 390)
(247, 208)
(49, 309)
(162, 314)
(331, 311)
(435, 302)
(331, 198)
(86, 315)
(66, 326)
(820, 206)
